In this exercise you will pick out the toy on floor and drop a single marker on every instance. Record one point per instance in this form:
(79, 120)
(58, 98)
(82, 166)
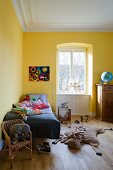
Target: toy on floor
(44, 148)
(84, 118)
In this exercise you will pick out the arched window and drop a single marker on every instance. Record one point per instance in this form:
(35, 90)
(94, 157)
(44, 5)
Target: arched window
(74, 69)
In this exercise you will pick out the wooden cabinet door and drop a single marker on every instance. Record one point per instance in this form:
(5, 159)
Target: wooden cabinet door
(99, 102)
(108, 105)
(105, 102)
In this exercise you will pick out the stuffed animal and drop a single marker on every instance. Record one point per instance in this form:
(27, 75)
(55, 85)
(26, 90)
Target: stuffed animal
(19, 133)
(80, 135)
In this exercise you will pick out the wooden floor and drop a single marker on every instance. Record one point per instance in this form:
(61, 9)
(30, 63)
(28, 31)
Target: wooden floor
(63, 158)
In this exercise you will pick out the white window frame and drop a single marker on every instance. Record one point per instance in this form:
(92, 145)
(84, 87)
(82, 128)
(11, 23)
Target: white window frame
(71, 49)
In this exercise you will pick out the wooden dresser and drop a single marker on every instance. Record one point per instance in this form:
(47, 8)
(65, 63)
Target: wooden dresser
(104, 102)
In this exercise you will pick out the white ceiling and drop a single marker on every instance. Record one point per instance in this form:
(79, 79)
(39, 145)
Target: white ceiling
(65, 15)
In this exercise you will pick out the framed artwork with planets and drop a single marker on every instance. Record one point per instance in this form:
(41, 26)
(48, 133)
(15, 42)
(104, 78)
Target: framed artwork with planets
(39, 73)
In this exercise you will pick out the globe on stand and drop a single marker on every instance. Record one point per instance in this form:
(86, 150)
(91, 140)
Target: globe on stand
(106, 77)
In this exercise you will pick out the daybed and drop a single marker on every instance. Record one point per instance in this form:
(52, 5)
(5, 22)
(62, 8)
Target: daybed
(44, 125)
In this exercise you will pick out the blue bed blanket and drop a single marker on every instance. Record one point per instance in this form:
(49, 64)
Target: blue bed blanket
(44, 125)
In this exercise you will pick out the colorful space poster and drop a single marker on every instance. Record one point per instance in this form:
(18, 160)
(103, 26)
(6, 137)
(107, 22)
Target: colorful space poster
(39, 73)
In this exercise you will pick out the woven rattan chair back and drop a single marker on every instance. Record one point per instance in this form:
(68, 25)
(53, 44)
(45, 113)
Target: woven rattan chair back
(13, 148)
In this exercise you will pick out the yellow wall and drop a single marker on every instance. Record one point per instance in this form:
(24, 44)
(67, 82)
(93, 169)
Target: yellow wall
(11, 57)
(40, 49)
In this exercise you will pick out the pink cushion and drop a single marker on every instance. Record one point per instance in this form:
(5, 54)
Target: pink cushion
(25, 104)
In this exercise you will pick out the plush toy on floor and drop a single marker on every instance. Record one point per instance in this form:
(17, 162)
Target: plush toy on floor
(84, 118)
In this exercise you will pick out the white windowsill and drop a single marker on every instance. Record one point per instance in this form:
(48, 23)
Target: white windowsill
(73, 94)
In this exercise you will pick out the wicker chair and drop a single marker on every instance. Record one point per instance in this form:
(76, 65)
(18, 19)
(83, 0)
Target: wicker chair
(13, 148)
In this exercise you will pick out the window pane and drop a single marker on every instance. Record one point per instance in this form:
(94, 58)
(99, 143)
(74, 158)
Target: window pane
(64, 70)
(71, 72)
(78, 73)
(64, 58)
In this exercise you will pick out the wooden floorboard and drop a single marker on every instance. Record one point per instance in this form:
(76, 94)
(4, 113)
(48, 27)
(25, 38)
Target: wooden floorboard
(63, 158)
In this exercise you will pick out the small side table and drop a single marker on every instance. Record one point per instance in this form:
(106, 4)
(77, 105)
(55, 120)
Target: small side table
(64, 114)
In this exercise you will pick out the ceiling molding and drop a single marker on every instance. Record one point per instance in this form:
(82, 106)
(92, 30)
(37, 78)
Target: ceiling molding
(24, 13)
(26, 9)
(69, 28)
(19, 13)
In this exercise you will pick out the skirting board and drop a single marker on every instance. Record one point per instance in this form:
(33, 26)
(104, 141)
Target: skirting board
(92, 114)
(1, 144)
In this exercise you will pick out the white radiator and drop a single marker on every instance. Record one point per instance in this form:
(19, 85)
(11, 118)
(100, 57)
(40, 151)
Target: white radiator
(79, 104)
